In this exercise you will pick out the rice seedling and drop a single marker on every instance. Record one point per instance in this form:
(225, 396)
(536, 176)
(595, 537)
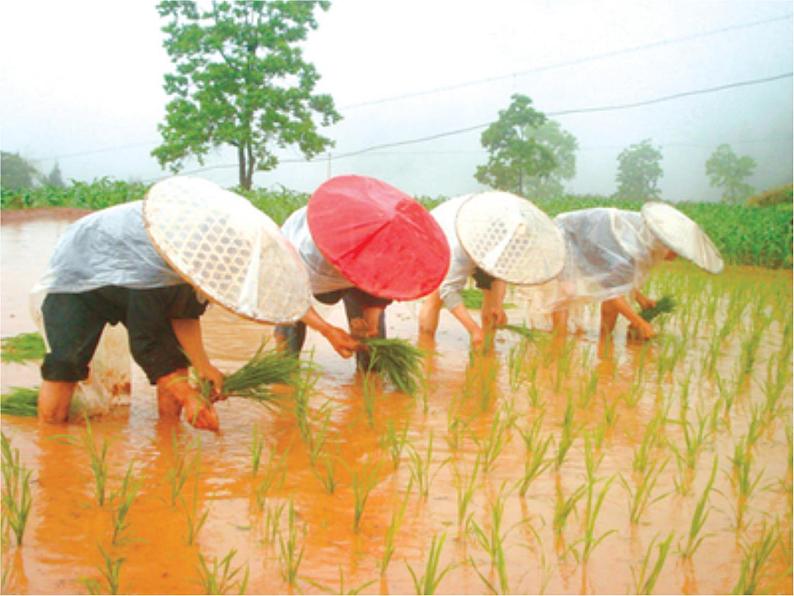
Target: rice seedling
(428, 582)
(588, 390)
(420, 467)
(342, 589)
(319, 436)
(195, 519)
(182, 468)
(369, 393)
(265, 368)
(495, 441)
(694, 537)
(563, 507)
(492, 542)
(289, 555)
(665, 305)
(640, 498)
(328, 475)
(22, 348)
(394, 441)
(364, 480)
(642, 455)
(20, 401)
(273, 476)
(391, 532)
(456, 432)
(464, 490)
(593, 504)
(515, 365)
(301, 393)
(755, 556)
(742, 477)
(646, 576)
(257, 444)
(16, 496)
(398, 360)
(272, 521)
(524, 332)
(568, 434)
(535, 462)
(125, 497)
(111, 573)
(220, 577)
(99, 465)
(563, 363)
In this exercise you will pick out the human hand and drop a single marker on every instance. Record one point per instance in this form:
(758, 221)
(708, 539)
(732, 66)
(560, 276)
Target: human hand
(199, 413)
(342, 342)
(360, 328)
(494, 316)
(477, 339)
(643, 330)
(214, 376)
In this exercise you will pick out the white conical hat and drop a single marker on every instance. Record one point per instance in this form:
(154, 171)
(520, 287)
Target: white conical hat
(227, 248)
(682, 235)
(510, 238)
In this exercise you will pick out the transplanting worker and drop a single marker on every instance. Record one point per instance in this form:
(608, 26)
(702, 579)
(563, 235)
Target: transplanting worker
(152, 265)
(497, 238)
(609, 254)
(365, 243)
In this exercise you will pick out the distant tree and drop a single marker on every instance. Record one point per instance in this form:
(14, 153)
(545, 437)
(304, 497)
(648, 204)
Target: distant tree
(55, 179)
(16, 172)
(515, 153)
(563, 146)
(639, 171)
(728, 171)
(241, 80)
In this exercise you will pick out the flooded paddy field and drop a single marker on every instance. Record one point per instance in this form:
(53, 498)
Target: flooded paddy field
(662, 467)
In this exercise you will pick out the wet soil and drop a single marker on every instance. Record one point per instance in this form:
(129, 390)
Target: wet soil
(464, 400)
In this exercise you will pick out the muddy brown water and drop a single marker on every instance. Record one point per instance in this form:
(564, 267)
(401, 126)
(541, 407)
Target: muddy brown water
(66, 524)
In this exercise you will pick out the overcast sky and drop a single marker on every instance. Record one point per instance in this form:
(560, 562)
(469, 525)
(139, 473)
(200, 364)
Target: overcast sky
(82, 83)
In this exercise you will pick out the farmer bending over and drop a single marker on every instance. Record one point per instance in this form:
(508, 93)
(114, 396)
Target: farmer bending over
(497, 238)
(366, 243)
(610, 253)
(120, 265)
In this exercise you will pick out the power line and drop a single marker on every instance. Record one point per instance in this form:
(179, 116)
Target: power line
(577, 111)
(464, 84)
(630, 105)
(567, 63)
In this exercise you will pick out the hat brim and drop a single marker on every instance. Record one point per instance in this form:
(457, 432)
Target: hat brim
(682, 235)
(232, 252)
(379, 238)
(510, 238)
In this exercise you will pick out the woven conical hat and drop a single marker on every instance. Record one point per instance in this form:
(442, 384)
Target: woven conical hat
(379, 238)
(227, 248)
(682, 235)
(510, 238)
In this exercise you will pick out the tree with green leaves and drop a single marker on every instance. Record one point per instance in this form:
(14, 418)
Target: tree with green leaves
(728, 171)
(241, 80)
(16, 172)
(563, 146)
(515, 154)
(639, 171)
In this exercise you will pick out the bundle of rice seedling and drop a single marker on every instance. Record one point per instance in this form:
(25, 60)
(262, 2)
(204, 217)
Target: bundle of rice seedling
(22, 348)
(664, 305)
(398, 360)
(22, 401)
(253, 379)
(521, 330)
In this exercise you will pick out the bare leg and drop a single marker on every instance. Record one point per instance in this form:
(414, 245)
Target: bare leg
(55, 397)
(429, 315)
(609, 317)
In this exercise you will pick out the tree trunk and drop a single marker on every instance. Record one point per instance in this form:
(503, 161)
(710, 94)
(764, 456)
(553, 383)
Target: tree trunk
(241, 166)
(249, 175)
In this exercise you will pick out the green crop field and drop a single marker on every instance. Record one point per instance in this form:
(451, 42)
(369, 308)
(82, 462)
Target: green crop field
(744, 234)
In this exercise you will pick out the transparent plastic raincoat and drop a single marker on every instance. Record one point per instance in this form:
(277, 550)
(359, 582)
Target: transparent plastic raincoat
(461, 265)
(609, 252)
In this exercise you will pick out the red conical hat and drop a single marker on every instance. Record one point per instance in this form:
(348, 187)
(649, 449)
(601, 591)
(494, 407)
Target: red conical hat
(378, 237)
